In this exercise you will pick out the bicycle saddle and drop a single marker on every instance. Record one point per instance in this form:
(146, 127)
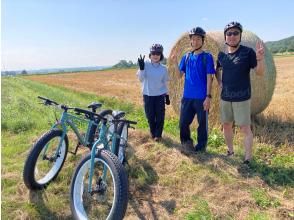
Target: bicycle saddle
(118, 114)
(94, 106)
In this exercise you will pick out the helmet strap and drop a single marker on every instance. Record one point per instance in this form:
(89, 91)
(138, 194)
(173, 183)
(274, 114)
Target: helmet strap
(196, 48)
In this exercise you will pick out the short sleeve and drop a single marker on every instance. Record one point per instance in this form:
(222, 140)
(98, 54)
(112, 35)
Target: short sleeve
(252, 59)
(182, 66)
(218, 64)
(210, 64)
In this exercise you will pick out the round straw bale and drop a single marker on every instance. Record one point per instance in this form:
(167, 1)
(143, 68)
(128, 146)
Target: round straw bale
(262, 86)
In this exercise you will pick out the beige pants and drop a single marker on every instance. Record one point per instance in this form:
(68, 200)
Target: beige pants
(236, 111)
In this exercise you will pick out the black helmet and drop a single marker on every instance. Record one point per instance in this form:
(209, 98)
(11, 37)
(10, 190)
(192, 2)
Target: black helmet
(233, 24)
(197, 31)
(156, 48)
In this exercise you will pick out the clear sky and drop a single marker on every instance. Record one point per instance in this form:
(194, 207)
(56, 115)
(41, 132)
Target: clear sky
(76, 33)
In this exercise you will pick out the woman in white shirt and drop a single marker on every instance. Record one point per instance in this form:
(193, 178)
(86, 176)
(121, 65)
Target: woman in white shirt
(154, 76)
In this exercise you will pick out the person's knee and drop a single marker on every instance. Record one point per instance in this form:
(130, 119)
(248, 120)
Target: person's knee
(246, 129)
(227, 126)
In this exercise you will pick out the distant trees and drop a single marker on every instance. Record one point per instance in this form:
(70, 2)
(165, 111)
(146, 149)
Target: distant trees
(24, 72)
(124, 64)
(281, 46)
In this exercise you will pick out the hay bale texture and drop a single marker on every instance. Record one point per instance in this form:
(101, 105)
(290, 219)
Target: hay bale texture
(262, 87)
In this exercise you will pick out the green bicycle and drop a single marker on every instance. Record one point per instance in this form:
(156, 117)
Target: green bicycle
(98, 190)
(48, 154)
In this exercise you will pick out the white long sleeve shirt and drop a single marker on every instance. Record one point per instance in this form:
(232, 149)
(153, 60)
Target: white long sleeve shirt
(154, 79)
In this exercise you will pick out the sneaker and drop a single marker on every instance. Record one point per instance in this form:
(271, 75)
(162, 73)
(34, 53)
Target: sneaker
(200, 150)
(157, 139)
(188, 145)
(247, 162)
(229, 153)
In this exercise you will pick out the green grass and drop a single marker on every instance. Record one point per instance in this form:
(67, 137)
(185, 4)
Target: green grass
(24, 120)
(263, 199)
(199, 211)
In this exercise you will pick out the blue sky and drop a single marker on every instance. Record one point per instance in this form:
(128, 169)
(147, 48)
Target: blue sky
(39, 34)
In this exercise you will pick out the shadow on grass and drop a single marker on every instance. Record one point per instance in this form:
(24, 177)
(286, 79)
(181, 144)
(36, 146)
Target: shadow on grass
(39, 199)
(275, 175)
(272, 175)
(142, 177)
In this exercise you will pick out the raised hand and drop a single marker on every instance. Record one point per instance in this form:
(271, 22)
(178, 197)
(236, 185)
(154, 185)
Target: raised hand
(141, 62)
(259, 50)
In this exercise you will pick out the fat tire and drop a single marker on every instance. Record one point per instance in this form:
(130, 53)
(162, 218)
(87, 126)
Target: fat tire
(120, 181)
(30, 163)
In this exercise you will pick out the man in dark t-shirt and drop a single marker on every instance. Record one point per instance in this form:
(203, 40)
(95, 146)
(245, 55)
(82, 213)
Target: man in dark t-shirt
(235, 85)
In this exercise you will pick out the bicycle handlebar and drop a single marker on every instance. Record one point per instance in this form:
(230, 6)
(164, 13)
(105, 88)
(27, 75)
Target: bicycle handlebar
(83, 111)
(125, 121)
(86, 112)
(48, 101)
(51, 102)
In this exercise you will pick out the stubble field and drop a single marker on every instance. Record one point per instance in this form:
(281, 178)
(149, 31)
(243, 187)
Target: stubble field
(165, 181)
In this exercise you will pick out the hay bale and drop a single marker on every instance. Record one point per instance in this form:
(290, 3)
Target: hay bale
(262, 87)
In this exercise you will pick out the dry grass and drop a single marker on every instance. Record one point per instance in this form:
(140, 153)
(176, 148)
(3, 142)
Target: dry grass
(282, 104)
(275, 125)
(174, 178)
(211, 177)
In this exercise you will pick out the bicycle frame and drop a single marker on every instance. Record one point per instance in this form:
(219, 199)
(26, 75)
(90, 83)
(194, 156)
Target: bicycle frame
(102, 140)
(66, 120)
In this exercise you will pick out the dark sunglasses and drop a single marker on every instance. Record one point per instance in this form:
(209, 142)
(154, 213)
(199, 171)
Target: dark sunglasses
(156, 53)
(235, 33)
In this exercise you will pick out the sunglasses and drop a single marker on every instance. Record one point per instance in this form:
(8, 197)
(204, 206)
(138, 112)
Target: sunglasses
(235, 33)
(156, 53)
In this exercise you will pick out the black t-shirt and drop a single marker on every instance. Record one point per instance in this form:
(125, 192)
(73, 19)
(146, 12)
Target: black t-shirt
(236, 73)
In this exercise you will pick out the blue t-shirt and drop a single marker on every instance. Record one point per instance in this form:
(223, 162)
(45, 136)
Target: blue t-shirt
(196, 67)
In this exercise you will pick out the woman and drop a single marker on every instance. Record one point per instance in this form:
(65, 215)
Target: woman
(154, 76)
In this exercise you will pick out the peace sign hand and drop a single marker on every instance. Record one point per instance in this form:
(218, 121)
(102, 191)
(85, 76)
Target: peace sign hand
(141, 62)
(259, 50)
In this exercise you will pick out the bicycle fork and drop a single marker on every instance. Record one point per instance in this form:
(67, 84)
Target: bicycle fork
(102, 140)
(56, 155)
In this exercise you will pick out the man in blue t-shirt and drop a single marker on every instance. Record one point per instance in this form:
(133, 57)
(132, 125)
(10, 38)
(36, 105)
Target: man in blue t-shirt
(235, 84)
(198, 68)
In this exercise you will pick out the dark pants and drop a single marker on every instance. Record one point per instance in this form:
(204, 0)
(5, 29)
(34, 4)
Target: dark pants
(155, 110)
(190, 107)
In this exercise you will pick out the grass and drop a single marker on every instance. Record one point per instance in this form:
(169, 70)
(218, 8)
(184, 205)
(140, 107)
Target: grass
(165, 182)
(263, 199)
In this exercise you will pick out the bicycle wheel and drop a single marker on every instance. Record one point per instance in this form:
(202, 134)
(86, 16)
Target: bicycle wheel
(43, 162)
(121, 143)
(109, 197)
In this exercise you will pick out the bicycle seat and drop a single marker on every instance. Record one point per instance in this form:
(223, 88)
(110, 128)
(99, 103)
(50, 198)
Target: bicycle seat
(94, 106)
(118, 114)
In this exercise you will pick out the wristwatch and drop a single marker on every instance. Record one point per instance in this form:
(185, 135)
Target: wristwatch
(209, 96)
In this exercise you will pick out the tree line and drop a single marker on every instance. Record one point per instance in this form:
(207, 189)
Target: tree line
(281, 46)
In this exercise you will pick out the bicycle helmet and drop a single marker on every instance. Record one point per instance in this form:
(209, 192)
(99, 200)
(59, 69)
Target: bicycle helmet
(197, 31)
(233, 24)
(156, 48)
